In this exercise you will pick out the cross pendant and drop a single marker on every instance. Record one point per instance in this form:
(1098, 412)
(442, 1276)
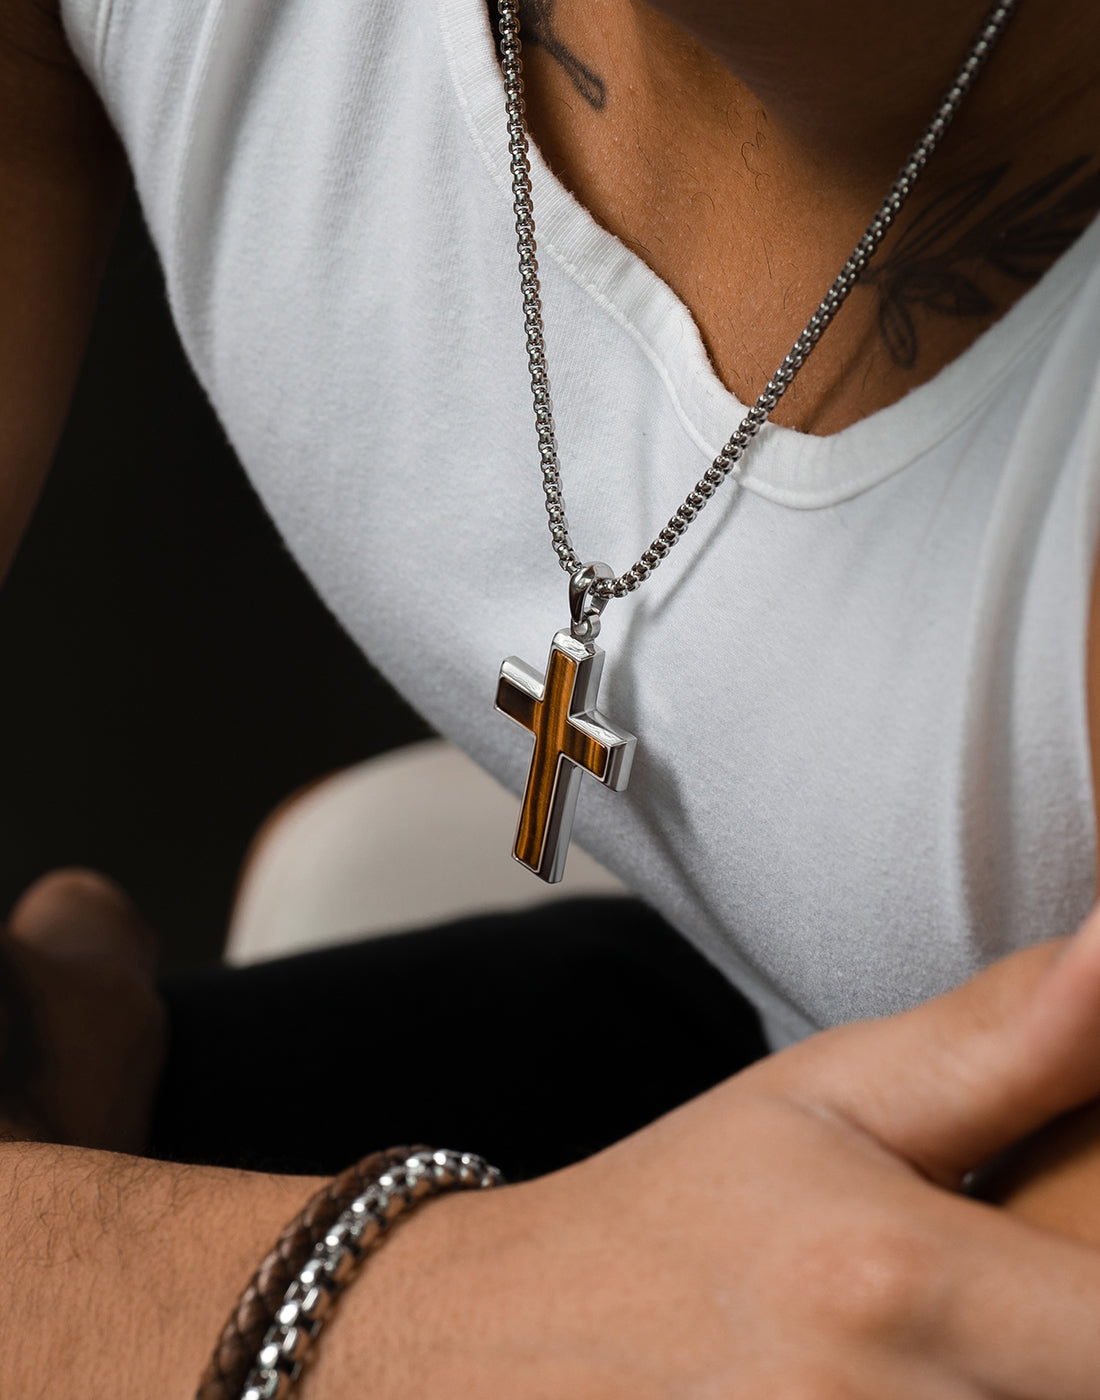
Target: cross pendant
(571, 738)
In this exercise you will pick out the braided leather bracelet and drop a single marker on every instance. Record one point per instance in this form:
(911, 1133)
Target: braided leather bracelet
(260, 1353)
(255, 1311)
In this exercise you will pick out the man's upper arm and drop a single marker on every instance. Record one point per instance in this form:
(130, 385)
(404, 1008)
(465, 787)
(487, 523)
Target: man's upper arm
(61, 178)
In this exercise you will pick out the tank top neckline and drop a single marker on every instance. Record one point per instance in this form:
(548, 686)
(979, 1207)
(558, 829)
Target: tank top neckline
(786, 466)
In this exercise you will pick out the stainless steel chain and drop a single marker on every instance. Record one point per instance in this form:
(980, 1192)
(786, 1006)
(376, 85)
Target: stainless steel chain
(728, 462)
(348, 1242)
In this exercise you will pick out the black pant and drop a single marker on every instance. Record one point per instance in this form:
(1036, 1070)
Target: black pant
(534, 1039)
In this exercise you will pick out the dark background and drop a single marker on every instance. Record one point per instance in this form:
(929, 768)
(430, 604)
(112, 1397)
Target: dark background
(169, 675)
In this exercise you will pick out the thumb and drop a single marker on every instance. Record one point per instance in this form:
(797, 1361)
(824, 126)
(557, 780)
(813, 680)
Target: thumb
(954, 1082)
(79, 915)
(85, 959)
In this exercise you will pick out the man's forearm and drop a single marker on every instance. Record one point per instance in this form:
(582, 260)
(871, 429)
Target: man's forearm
(118, 1273)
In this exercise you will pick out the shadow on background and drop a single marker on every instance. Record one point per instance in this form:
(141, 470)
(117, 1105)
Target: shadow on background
(170, 674)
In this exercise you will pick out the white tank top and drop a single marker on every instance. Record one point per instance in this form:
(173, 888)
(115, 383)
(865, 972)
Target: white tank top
(859, 688)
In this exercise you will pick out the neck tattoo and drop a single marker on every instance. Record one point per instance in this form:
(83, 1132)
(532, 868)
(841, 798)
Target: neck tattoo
(571, 736)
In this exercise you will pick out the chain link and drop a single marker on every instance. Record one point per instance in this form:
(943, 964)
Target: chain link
(728, 462)
(349, 1240)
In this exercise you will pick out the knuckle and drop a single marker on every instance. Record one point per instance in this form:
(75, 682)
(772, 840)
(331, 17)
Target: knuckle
(877, 1279)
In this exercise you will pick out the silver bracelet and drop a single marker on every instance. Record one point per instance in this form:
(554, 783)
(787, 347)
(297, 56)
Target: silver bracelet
(334, 1262)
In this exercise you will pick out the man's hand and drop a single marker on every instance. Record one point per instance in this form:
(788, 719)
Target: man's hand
(84, 1034)
(1053, 1179)
(795, 1233)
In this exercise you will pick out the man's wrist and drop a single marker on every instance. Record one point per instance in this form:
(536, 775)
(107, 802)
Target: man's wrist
(143, 1259)
(414, 1305)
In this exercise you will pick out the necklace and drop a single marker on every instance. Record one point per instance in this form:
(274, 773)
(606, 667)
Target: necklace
(571, 736)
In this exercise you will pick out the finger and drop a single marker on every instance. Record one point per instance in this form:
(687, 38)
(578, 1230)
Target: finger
(1051, 1179)
(1020, 1317)
(76, 913)
(949, 1085)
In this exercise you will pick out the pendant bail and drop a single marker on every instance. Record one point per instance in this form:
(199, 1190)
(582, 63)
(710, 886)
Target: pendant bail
(585, 606)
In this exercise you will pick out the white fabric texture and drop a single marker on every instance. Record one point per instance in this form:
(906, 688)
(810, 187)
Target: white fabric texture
(859, 687)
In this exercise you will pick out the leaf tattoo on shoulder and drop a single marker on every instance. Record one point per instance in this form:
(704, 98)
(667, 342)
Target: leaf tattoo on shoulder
(536, 19)
(935, 267)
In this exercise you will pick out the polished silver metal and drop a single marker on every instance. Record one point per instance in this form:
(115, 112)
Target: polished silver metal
(571, 738)
(335, 1260)
(586, 605)
(728, 462)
